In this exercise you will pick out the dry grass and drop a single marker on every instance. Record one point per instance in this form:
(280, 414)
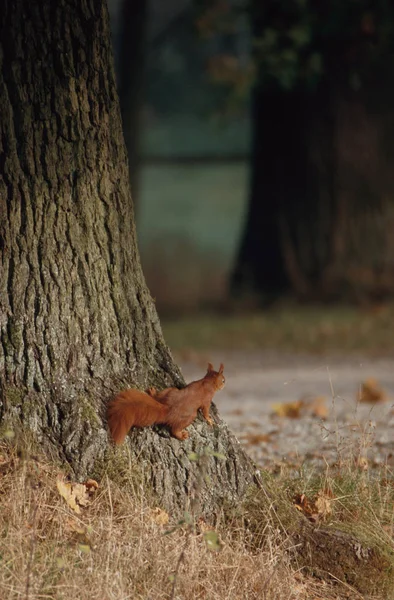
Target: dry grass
(117, 549)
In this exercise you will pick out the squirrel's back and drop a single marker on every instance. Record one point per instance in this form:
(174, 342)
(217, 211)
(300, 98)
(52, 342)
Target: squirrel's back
(174, 407)
(132, 408)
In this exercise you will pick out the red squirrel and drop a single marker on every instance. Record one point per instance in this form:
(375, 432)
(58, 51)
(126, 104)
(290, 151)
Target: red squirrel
(172, 407)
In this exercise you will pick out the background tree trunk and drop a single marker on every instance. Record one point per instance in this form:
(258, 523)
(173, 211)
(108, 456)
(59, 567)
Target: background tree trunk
(77, 322)
(287, 237)
(320, 206)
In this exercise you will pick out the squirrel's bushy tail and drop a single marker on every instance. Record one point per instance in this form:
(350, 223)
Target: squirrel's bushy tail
(132, 408)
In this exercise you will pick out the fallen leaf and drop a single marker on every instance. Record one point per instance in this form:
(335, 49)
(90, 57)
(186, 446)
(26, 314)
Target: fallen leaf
(323, 504)
(81, 493)
(316, 509)
(291, 410)
(65, 490)
(75, 494)
(60, 563)
(91, 485)
(362, 463)
(371, 392)
(254, 439)
(318, 408)
(159, 516)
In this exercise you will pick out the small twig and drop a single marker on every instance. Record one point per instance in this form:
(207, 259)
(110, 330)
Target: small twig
(31, 554)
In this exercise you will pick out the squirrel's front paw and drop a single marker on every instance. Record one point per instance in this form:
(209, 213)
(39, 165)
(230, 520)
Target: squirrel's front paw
(209, 421)
(180, 435)
(151, 392)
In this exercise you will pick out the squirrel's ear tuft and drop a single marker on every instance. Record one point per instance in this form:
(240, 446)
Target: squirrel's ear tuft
(210, 367)
(221, 369)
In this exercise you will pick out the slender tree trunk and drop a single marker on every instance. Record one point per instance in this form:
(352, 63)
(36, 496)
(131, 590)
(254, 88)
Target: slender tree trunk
(77, 322)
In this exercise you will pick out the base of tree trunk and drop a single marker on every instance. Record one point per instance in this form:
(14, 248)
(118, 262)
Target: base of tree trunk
(211, 464)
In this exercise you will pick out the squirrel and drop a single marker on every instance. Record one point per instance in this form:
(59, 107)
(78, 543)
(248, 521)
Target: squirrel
(176, 408)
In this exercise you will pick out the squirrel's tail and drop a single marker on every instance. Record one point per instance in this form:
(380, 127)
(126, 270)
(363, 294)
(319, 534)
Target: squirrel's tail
(132, 408)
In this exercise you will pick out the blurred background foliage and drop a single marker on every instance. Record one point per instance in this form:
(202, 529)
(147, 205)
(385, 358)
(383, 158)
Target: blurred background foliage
(261, 146)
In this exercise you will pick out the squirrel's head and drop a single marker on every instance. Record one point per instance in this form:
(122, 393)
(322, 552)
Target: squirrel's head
(216, 376)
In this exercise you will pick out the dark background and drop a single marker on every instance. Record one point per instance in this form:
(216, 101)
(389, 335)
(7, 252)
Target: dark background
(260, 137)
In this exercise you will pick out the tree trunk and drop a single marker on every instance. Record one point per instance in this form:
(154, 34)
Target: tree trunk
(286, 240)
(131, 75)
(320, 209)
(77, 323)
(260, 266)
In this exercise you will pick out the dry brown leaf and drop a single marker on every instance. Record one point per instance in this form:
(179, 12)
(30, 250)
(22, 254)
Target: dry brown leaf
(91, 485)
(323, 504)
(371, 392)
(81, 494)
(303, 504)
(254, 439)
(75, 494)
(316, 509)
(65, 490)
(362, 463)
(159, 516)
(318, 407)
(291, 410)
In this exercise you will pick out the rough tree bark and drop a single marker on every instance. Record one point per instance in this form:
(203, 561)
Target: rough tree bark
(77, 322)
(131, 75)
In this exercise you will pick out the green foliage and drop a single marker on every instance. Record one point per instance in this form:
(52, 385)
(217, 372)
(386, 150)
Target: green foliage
(212, 541)
(299, 43)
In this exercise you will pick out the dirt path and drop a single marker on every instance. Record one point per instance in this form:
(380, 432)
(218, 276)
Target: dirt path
(256, 382)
